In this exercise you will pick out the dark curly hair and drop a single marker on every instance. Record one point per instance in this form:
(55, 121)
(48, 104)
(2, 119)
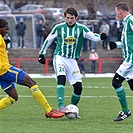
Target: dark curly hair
(3, 23)
(72, 11)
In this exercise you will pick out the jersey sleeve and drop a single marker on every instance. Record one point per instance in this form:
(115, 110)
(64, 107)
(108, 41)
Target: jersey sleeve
(50, 38)
(90, 35)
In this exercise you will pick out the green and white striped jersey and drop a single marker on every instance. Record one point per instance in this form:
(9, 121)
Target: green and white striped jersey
(127, 39)
(69, 39)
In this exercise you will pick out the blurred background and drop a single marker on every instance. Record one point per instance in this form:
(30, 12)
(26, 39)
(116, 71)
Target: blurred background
(92, 13)
(34, 10)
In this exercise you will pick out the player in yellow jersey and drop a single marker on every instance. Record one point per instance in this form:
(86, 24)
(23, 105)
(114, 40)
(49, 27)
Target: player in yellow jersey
(9, 75)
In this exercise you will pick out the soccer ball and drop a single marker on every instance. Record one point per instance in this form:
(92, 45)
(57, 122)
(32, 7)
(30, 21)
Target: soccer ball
(74, 111)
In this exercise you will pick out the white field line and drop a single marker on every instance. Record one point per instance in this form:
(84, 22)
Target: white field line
(86, 75)
(28, 96)
(68, 86)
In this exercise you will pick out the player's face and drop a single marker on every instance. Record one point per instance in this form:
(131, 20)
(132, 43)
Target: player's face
(118, 14)
(70, 19)
(4, 30)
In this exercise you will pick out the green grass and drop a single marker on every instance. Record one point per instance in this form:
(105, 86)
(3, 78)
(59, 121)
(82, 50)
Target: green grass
(98, 107)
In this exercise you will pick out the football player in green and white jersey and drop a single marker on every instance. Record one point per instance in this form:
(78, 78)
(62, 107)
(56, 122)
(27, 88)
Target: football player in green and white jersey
(125, 71)
(70, 36)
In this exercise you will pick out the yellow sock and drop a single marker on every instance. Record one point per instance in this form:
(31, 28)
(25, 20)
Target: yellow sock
(37, 94)
(5, 102)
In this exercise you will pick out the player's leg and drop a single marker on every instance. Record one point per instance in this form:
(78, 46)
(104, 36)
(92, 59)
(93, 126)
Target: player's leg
(35, 91)
(61, 81)
(40, 98)
(130, 83)
(74, 78)
(117, 84)
(20, 77)
(77, 93)
(10, 89)
(60, 71)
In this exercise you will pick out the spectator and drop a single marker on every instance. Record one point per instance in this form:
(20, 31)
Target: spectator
(93, 57)
(96, 30)
(47, 29)
(81, 65)
(7, 41)
(91, 27)
(20, 28)
(85, 45)
(119, 32)
(105, 18)
(105, 28)
(113, 32)
(39, 33)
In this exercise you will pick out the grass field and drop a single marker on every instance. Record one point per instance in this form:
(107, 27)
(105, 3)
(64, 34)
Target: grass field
(98, 107)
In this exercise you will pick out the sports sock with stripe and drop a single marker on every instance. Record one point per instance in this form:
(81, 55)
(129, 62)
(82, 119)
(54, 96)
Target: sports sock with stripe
(37, 94)
(75, 99)
(5, 102)
(60, 95)
(122, 99)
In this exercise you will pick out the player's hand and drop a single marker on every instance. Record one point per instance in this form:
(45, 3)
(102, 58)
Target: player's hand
(112, 45)
(103, 36)
(7, 41)
(41, 59)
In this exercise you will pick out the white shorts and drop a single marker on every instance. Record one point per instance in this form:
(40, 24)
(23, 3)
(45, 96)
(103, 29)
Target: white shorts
(67, 67)
(126, 70)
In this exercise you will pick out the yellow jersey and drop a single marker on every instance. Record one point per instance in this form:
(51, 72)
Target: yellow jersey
(4, 61)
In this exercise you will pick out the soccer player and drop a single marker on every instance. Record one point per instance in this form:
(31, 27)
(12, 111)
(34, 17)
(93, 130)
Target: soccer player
(10, 75)
(125, 71)
(70, 36)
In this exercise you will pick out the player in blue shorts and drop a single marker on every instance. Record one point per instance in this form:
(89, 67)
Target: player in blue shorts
(9, 75)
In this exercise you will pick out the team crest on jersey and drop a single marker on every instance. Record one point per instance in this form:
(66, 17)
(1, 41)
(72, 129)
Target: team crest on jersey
(70, 40)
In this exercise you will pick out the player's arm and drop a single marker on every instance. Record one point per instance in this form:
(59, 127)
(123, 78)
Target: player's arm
(114, 45)
(93, 36)
(45, 46)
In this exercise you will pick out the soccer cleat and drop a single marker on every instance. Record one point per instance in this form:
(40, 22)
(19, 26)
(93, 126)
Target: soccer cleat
(54, 114)
(79, 117)
(122, 116)
(64, 110)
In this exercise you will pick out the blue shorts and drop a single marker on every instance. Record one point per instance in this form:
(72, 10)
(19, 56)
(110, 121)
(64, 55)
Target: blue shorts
(13, 75)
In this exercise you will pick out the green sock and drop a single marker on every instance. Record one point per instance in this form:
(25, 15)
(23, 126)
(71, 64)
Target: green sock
(75, 99)
(122, 99)
(60, 95)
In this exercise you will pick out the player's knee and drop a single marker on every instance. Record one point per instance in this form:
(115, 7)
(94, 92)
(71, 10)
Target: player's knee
(130, 82)
(116, 84)
(117, 81)
(78, 88)
(28, 81)
(12, 93)
(61, 80)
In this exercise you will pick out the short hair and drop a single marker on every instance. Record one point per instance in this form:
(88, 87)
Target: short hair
(71, 11)
(3, 23)
(123, 6)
